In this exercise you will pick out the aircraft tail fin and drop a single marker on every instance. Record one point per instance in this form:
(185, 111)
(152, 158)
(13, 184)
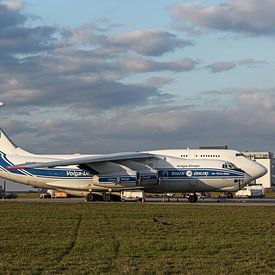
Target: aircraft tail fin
(8, 147)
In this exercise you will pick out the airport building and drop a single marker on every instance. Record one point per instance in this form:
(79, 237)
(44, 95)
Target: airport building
(267, 160)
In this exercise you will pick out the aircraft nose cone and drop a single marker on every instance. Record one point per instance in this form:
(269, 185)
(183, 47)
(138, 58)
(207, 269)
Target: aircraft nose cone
(262, 171)
(259, 171)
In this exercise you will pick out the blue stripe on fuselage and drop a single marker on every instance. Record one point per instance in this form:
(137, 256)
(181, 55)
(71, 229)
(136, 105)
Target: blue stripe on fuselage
(200, 173)
(62, 173)
(44, 172)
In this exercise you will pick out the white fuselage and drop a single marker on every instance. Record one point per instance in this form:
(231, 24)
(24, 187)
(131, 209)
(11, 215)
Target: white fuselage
(252, 168)
(179, 171)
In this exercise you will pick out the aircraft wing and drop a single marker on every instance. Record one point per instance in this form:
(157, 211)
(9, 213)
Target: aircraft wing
(86, 160)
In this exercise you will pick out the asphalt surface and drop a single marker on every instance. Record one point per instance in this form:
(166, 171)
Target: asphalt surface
(161, 200)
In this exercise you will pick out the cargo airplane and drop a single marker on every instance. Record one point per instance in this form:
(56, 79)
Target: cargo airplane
(103, 176)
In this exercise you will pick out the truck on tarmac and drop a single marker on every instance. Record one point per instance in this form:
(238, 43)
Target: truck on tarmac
(251, 191)
(53, 194)
(133, 195)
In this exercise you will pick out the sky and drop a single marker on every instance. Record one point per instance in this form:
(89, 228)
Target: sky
(92, 76)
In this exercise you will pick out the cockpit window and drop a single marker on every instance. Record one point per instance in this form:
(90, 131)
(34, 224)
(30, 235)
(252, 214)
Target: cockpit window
(229, 165)
(240, 154)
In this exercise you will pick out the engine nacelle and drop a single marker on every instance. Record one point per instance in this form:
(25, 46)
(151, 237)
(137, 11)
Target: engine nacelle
(138, 179)
(113, 181)
(147, 179)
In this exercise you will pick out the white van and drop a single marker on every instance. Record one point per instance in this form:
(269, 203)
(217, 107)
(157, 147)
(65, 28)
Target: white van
(251, 191)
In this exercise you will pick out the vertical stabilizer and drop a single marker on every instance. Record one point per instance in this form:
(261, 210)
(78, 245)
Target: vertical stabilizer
(8, 147)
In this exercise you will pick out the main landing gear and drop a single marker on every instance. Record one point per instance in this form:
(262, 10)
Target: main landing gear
(193, 197)
(94, 197)
(102, 197)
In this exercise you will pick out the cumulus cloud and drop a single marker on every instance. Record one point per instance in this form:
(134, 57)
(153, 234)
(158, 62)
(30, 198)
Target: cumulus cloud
(144, 42)
(255, 99)
(221, 66)
(139, 64)
(159, 81)
(16, 38)
(247, 16)
(45, 66)
(240, 127)
(80, 78)
(73, 61)
(81, 96)
(13, 4)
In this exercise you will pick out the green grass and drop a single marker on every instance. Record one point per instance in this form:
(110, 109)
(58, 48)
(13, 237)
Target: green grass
(73, 238)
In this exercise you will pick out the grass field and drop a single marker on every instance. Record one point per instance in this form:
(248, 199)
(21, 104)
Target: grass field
(73, 238)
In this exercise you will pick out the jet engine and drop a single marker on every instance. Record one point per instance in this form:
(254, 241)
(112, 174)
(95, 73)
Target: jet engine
(115, 181)
(120, 181)
(147, 179)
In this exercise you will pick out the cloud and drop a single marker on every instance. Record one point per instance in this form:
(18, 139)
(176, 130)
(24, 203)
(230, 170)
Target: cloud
(139, 64)
(159, 81)
(82, 96)
(144, 42)
(74, 61)
(45, 66)
(246, 16)
(9, 16)
(255, 99)
(16, 38)
(167, 127)
(13, 4)
(222, 66)
(71, 90)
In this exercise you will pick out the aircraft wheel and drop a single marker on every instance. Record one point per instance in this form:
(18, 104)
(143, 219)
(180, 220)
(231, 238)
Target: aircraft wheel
(90, 197)
(193, 198)
(229, 195)
(107, 197)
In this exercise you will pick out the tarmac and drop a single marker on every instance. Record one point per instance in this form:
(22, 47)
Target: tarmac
(161, 200)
